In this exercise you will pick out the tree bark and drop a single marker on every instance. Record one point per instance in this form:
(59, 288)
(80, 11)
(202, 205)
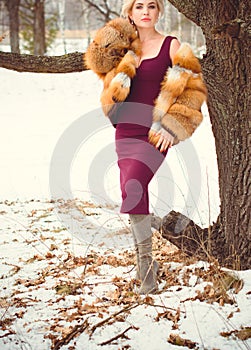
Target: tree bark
(227, 72)
(39, 28)
(72, 62)
(229, 85)
(190, 9)
(13, 10)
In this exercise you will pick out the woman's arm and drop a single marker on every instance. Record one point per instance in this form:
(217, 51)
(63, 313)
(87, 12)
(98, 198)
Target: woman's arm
(165, 138)
(175, 44)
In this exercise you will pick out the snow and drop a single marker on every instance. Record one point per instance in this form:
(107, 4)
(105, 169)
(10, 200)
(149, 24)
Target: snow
(60, 226)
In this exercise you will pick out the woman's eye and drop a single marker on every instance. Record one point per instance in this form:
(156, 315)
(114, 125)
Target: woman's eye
(152, 7)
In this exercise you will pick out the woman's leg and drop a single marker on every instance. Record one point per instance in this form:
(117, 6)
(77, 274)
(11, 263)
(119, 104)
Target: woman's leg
(134, 179)
(147, 268)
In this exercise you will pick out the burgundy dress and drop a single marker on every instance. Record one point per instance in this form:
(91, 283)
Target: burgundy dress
(137, 159)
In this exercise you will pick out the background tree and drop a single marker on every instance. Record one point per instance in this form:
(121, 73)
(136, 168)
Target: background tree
(61, 15)
(13, 11)
(85, 15)
(39, 28)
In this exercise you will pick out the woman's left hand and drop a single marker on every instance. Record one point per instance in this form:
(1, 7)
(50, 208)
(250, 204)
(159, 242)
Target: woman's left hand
(165, 140)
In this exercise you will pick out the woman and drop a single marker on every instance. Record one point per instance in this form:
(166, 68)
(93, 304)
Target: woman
(137, 159)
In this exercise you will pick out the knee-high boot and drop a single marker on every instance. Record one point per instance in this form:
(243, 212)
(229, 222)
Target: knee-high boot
(147, 268)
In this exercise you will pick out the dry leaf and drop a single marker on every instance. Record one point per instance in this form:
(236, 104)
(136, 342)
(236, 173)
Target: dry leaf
(175, 339)
(242, 334)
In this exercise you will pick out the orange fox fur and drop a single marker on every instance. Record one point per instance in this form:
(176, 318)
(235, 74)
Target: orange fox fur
(114, 50)
(112, 56)
(178, 106)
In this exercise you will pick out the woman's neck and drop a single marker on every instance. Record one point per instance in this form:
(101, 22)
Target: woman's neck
(147, 34)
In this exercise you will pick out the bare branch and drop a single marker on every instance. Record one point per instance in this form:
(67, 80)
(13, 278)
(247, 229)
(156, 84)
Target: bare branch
(107, 12)
(112, 316)
(120, 335)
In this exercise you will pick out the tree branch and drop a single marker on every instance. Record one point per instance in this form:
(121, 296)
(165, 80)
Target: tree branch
(69, 63)
(95, 6)
(195, 241)
(104, 12)
(189, 8)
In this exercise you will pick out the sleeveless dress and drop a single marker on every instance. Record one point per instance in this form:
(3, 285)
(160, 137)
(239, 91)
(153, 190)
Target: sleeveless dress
(138, 160)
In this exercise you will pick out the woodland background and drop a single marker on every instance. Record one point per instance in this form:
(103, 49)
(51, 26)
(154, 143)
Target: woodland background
(63, 22)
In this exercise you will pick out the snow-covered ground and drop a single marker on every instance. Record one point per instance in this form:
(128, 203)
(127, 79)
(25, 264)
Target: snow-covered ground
(66, 252)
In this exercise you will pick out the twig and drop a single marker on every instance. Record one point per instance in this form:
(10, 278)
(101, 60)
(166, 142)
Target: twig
(65, 340)
(163, 307)
(209, 219)
(120, 335)
(7, 334)
(101, 323)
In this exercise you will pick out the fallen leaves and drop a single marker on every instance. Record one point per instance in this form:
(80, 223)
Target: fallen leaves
(5, 323)
(12, 272)
(220, 282)
(30, 283)
(36, 257)
(175, 339)
(242, 334)
(171, 316)
(66, 288)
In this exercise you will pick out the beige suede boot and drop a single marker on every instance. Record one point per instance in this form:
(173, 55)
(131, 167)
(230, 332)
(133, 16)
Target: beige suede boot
(147, 268)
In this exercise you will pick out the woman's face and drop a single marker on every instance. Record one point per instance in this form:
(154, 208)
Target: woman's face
(145, 13)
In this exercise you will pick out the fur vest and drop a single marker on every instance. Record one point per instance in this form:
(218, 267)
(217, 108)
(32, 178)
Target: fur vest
(113, 56)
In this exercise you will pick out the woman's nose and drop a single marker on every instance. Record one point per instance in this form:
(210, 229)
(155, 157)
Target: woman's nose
(146, 10)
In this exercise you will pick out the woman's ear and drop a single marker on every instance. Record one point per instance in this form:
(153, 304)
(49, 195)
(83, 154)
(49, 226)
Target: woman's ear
(132, 21)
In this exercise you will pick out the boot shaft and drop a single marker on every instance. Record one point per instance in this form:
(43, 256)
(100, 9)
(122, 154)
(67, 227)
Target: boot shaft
(141, 227)
(146, 267)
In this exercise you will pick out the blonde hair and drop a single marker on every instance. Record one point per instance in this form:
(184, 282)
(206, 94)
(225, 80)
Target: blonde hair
(128, 4)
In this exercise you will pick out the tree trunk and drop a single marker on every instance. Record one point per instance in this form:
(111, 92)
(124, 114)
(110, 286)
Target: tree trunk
(229, 107)
(72, 62)
(39, 28)
(13, 10)
(227, 72)
(61, 12)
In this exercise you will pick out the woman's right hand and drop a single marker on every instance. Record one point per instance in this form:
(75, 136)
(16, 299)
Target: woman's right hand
(165, 140)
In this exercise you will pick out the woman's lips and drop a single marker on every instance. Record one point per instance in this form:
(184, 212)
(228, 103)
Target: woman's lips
(146, 19)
